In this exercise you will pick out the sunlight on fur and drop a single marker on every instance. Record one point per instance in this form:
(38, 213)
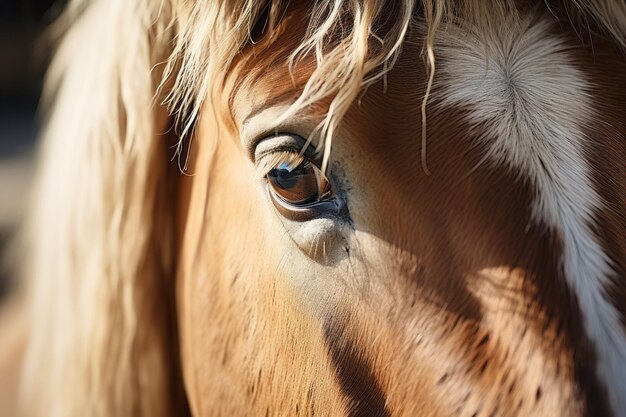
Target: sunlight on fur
(101, 339)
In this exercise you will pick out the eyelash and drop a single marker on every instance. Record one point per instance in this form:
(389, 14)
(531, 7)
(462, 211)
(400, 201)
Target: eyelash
(272, 160)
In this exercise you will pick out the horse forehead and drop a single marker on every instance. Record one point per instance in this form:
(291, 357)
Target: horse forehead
(262, 75)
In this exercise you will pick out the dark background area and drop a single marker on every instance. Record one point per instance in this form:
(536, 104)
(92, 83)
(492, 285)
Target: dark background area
(24, 53)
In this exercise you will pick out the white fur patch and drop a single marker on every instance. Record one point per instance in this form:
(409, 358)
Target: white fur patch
(522, 85)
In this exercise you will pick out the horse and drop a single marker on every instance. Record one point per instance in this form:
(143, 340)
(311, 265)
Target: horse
(330, 208)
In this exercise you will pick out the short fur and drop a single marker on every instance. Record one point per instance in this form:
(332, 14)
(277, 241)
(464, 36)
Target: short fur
(129, 82)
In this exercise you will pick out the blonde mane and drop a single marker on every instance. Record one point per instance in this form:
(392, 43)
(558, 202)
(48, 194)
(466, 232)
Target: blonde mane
(102, 246)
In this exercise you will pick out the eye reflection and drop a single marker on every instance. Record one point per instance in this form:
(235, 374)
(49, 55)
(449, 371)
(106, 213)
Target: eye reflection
(298, 185)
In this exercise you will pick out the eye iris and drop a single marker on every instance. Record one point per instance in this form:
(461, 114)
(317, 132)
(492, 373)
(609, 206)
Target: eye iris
(285, 178)
(298, 185)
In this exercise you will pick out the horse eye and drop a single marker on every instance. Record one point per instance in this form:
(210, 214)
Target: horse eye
(299, 186)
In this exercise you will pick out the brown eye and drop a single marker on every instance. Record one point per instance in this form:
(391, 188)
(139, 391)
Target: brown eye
(300, 185)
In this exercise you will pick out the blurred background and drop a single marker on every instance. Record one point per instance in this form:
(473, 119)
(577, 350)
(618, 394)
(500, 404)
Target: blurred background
(23, 58)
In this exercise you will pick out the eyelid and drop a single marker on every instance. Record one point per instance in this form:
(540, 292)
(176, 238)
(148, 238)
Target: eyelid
(283, 148)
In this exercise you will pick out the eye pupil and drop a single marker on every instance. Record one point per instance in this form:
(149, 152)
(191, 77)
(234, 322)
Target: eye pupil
(286, 178)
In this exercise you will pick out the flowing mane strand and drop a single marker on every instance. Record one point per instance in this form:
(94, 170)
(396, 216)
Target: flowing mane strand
(349, 51)
(103, 334)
